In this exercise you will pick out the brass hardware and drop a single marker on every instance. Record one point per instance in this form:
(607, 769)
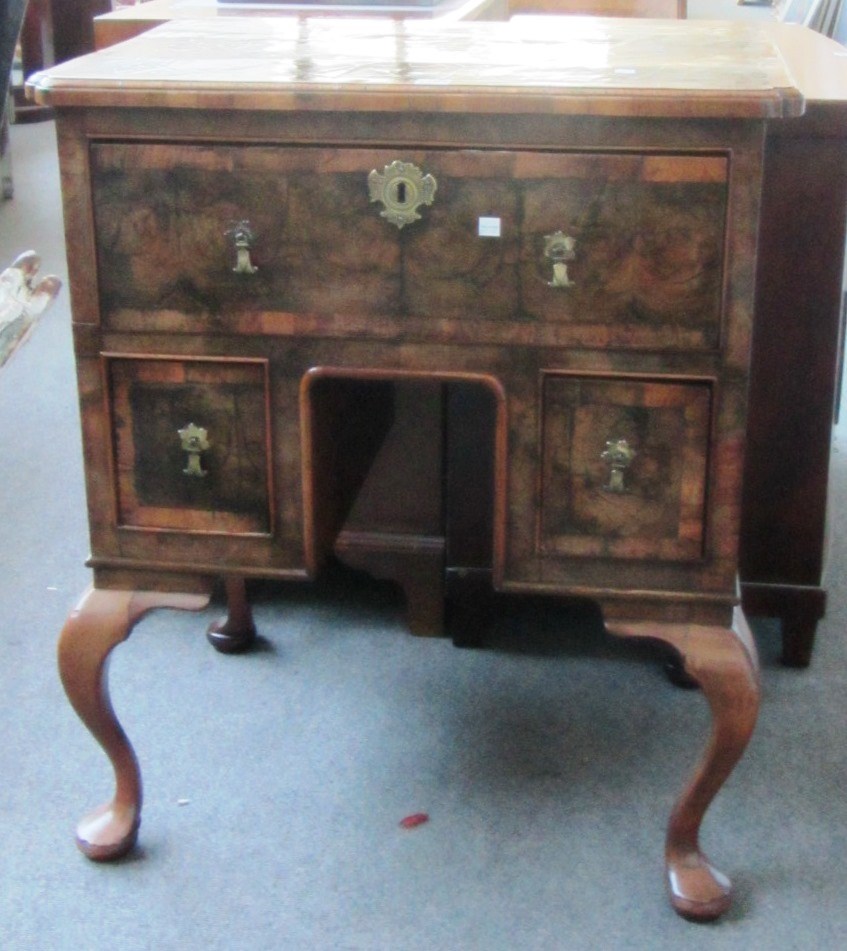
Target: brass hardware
(560, 248)
(618, 455)
(195, 440)
(243, 238)
(402, 188)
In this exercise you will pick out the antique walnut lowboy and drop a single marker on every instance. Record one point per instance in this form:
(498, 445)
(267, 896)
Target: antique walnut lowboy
(274, 223)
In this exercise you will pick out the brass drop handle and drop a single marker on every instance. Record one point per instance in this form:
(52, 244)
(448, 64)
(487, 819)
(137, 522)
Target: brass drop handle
(560, 248)
(618, 455)
(402, 188)
(243, 239)
(194, 441)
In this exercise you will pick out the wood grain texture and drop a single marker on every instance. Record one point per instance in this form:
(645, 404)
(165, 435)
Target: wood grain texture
(150, 401)
(660, 510)
(557, 65)
(648, 232)
(671, 156)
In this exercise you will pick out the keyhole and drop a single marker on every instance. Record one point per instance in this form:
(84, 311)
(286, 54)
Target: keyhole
(400, 194)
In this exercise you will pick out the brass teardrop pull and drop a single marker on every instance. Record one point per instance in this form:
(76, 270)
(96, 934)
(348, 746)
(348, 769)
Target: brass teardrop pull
(194, 440)
(243, 239)
(618, 455)
(560, 248)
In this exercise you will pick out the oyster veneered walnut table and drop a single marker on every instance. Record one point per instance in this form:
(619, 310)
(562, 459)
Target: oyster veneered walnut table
(274, 222)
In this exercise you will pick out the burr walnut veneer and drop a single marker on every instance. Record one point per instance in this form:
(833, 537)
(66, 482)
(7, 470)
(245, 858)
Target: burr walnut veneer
(794, 364)
(278, 226)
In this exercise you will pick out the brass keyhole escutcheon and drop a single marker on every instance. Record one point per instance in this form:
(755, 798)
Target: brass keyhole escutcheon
(402, 188)
(194, 441)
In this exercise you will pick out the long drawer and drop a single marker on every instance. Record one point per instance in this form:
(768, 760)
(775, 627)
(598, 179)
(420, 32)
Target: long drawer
(575, 249)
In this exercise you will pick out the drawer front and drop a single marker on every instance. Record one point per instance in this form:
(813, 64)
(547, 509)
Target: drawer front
(624, 467)
(605, 249)
(190, 444)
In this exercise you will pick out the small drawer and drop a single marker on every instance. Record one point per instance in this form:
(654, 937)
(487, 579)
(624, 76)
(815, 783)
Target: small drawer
(548, 248)
(190, 444)
(624, 467)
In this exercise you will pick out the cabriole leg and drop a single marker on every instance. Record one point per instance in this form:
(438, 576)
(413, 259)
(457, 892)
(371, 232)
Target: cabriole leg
(101, 621)
(723, 662)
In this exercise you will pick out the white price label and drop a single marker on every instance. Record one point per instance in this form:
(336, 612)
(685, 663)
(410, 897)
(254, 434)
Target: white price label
(489, 227)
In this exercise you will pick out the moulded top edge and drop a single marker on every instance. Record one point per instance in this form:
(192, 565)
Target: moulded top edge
(561, 65)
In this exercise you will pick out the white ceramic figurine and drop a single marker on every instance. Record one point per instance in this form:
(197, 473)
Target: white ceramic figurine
(23, 297)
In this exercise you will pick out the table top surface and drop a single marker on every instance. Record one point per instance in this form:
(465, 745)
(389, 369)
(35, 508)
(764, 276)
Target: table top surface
(553, 65)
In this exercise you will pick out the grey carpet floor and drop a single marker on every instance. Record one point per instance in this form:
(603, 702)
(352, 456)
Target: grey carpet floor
(275, 781)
